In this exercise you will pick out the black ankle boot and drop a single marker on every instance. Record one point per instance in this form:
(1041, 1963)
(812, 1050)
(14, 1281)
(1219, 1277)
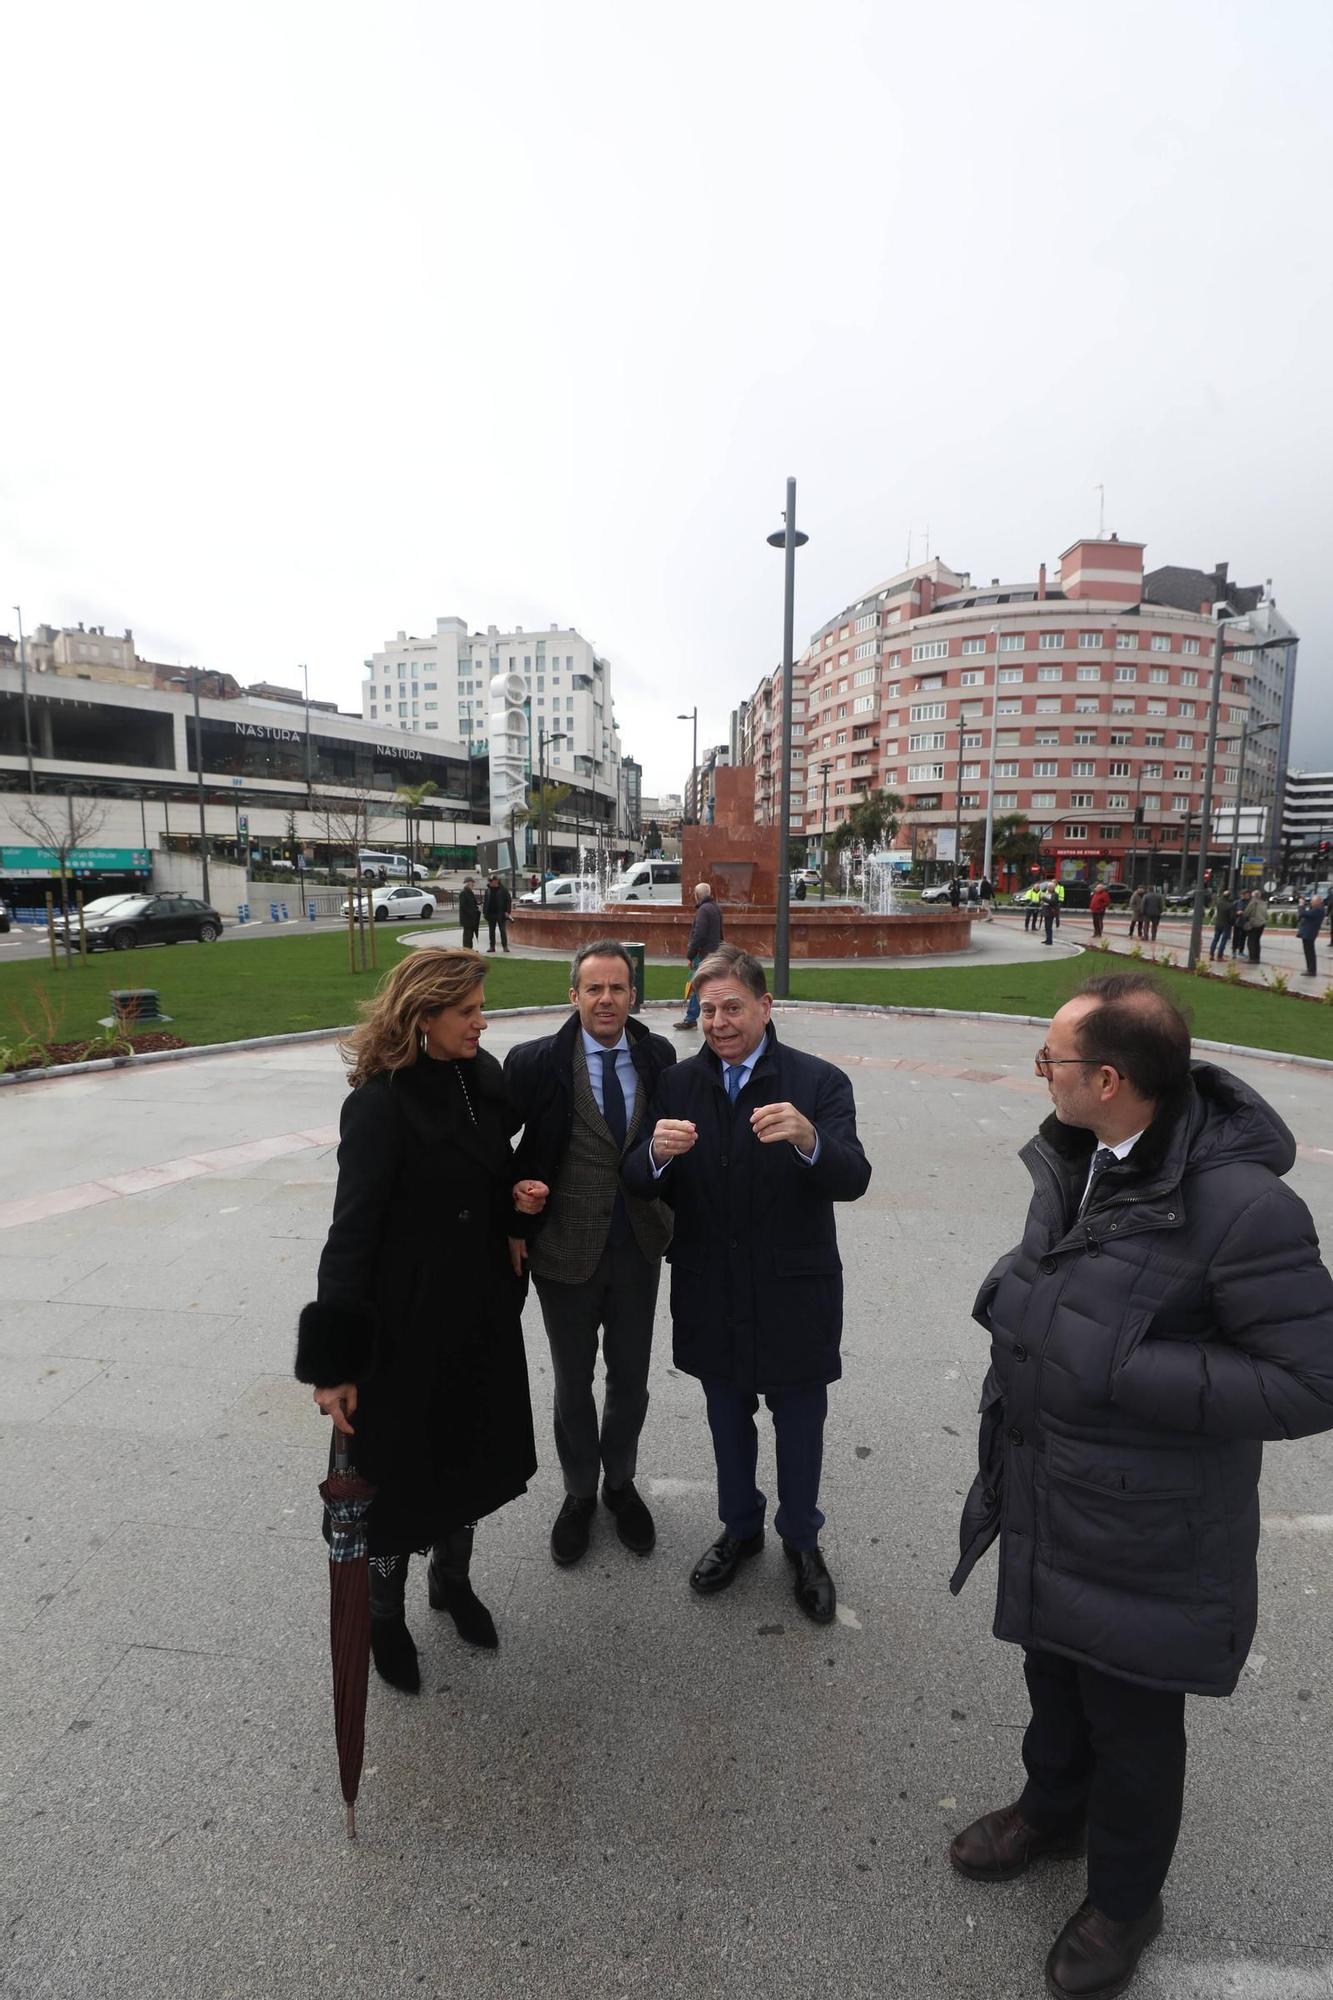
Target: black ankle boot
(450, 1590)
(391, 1645)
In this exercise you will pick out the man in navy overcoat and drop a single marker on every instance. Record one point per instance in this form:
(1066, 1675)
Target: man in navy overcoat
(752, 1143)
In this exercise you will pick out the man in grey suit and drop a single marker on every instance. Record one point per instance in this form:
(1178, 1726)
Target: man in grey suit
(595, 1252)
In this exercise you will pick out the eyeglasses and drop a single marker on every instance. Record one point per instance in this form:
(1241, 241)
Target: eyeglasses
(1046, 1062)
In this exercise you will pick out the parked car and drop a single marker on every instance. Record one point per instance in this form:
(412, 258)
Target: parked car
(938, 892)
(562, 890)
(384, 866)
(647, 882)
(387, 905)
(6, 915)
(118, 923)
(1078, 895)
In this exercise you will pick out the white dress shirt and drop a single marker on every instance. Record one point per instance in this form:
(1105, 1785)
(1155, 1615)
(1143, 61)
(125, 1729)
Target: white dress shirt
(625, 1070)
(1122, 1152)
(745, 1066)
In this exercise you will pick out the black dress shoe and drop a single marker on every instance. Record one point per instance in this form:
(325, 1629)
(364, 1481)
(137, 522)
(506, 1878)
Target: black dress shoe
(573, 1524)
(684, 1027)
(472, 1620)
(717, 1566)
(813, 1590)
(1095, 1957)
(1001, 1845)
(634, 1524)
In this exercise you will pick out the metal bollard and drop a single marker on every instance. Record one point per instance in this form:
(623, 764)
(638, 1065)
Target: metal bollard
(273, 913)
(310, 911)
(285, 917)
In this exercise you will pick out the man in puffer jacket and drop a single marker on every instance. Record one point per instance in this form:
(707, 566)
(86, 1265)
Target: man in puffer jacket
(1165, 1313)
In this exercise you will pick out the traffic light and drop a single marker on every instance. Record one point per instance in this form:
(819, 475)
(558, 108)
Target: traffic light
(1138, 815)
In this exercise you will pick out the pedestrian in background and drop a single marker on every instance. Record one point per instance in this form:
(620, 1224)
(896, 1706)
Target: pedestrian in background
(414, 1342)
(1152, 912)
(495, 907)
(986, 893)
(1050, 911)
(1256, 921)
(1224, 916)
(704, 938)
(1238, 924)
(469, 914)
(1164, 1315)
(1308, 926)
(955, 892)
(595, 1252)
(1099, 903)
(752, 1143)
(1136, 913)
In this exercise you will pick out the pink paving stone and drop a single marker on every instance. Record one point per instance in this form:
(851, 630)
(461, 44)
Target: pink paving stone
(142, 1180)
(60, 1201)
(254, 1150)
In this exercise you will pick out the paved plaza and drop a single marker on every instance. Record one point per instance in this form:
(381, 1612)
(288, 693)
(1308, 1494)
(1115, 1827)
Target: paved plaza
(642, 1796)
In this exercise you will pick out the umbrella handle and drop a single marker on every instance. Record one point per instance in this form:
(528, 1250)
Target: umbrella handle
(342, 1458)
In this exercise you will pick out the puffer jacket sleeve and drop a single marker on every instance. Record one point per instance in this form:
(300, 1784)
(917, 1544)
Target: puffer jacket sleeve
(841, 1172)
(1267, 1373)
(336, 1333)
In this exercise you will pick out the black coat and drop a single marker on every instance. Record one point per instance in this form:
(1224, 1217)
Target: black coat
(1140, 1353)
(540, 1076)
(469, 909)
(418, 1304)
(497, 901)
(706, 930)
(756, 1279)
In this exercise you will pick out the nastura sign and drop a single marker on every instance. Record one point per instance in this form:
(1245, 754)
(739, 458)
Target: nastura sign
(397, 751)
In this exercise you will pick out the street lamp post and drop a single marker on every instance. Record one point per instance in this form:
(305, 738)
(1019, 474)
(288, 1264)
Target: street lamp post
(309, 779)
(1245, 734)
(788, 538)
(823, 833)
(691, 716)
(199, 780)
(990, 768)
(556, 736)
(958, 798)
(1220, 651)
(23, 694)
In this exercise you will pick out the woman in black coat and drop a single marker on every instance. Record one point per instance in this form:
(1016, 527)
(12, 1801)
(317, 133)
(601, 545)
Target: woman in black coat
(415, 1343)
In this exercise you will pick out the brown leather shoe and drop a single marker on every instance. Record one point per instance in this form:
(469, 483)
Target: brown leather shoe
(1095, 1957)
(1001, 1845)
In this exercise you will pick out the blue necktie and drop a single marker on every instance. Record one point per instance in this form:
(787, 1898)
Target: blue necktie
(1101, 1160)
(613, 1098)
(734, 1078)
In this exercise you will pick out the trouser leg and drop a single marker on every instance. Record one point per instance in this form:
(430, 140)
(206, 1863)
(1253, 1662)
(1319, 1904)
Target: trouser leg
(388, 1586)
(1137, 1790)
(1096, 923)
(1253, 939)
(692, 1003)
(1221, 933)
(1057, 1754)
(1307, 946)
(504, 932)
(798, 1429)
(490, 925)
(627, 1345)
(572, 1316)
(451, 1559)
(740, 1504)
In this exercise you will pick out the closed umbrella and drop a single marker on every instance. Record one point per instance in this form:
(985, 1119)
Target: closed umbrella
(348, 1496)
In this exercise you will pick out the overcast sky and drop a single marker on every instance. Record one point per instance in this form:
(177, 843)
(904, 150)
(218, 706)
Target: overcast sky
(325, 320)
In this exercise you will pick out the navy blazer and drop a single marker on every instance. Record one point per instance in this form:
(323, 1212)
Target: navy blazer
(756, 1279)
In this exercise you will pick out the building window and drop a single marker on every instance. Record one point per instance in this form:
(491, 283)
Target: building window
(1185, 742)
(1124, 705)
(1083, 769)
(1007, 770)
(926, 711)
(1159, 674)
(1043, 802)
(1189, 645)
(1080, 801)
(1160, 642)
(1126, 673)
(1050, 642)
(971, 799)
(970, 771)
(372, 711)
(971, 740)
(862, 704)
(1244, 659)
(1089, 639)
(1048, 736)
(429, 687)
(1125, 642)
(432, 725)
(926, 682)
(1155, 708)
(1050, 673)
(432, 704)
(1048, 704)
(866, 650)
(1011, 642)
(1181, 772)
(931, 649)
(864, 676)
(924, 774)
(1152, 770)
(971, 680)
(1009, 708)
(1188, 678)
(1089, 673)
(1118, 768)
(1181, 802)
(974, 645)
(867, 621)
(1085, 704)
(1152, 802)
(1117, 801)
(1011, 676)
(1005, 801)
(931, 739)
(1153, 739)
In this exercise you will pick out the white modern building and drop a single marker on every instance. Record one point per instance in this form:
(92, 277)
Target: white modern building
(441, 684)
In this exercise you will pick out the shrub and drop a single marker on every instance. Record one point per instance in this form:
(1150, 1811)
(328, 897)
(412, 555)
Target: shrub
(1232, 975)
(1277, 982)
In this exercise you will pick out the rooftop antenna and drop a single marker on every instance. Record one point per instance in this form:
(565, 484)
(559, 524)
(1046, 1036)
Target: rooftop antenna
(908, 563)
(928, 541)
(1100, 491)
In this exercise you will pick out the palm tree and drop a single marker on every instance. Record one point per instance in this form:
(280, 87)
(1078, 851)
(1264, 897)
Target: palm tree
(413, 798)
(1013, 841)
(873, 822)
(543, 800)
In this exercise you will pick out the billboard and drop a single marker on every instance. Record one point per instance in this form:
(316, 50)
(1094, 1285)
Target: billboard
(39, 861)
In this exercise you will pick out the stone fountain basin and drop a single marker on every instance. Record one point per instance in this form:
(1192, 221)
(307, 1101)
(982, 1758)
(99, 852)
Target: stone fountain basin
(662, 929)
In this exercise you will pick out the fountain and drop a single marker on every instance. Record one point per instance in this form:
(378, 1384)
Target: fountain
(740, 859)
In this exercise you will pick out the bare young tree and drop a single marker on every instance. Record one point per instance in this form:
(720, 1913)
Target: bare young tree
(60, 824)
(352, 819)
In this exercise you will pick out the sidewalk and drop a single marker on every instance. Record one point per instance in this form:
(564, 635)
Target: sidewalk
(1281, 949)
(642, 1796)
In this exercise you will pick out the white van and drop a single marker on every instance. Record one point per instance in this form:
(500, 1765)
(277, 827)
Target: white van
(647, 882)
(394, 867)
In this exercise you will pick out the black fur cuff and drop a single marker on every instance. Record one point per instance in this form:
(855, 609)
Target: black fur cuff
(332, 1345)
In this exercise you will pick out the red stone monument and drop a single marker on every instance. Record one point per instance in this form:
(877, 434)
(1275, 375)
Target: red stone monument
(737, 858)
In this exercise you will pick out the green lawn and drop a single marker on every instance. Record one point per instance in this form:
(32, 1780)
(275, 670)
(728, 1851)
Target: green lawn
(275, 986)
